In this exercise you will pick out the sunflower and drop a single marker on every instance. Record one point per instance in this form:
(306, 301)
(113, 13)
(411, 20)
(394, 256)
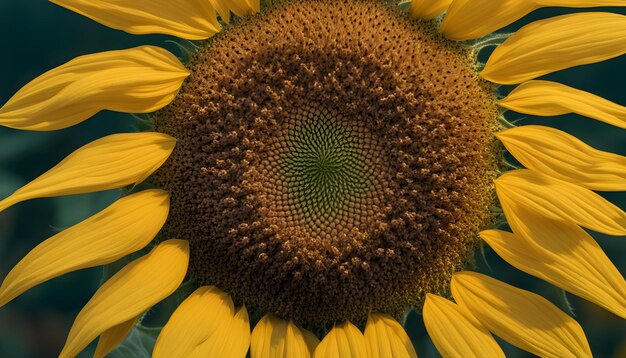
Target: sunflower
(316, 169)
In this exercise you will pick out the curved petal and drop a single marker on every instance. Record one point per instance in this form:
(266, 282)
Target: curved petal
(113, 337)
(134, 289)
(456, 333)
(386, 338)
(428, 9)
(562, 156)
(557, 43)
(108, 163)
(126, 226)
(522, 318)
(273, 337)
(471, 19)
(138, 80)
(231, 340)
(343, 341)
(545, 98)
(560, 200)
(243, 7)
(188, 19)
(311, 340)
(198, 319)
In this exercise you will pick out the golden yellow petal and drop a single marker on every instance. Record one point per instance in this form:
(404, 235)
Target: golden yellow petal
(545, 98)
(522, 318)
(386, 338)
(343, 341)
(561, 253)
(311, 340)
(196, 320)
(471, 19)
(113, 337)
(428, 9)
(126, 226)
(232, 339)
(138, 80)
(239, 7)
(557, 43)
(273, 337)
(560, 200)
(562, 156)
(108, 163)
(455, 333)
(188, 19)
(130, 292)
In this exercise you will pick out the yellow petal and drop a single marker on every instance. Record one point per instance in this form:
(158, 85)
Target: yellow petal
(428, 9)
(243, 7)
(562, 156)
(232, 339)
(196, 320)
(113, 337)
(471, 19)
(130, 292)
(222, 9)
(561, 253)
(138, 80)
(343, 341)
(560, 200)
(522, 318)
(188, 19)
(386, 338)
(273, 337)
(545, 98)
(557, 43)
(456, 333)
(311, 340)
(108, 163)
(126, 226)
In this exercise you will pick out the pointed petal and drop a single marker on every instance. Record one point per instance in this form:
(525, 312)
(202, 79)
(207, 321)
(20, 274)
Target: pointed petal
(130, 292)
(196, 320)
(545, 98)
(126, 226)
(428, 9)
(232, 339)
(113, 337)
(138, 80)
(471, 19)
(522, 318)
(188, 19)
(386, 338)
(273, 337)
(555, 44)
(343, 341)
(243, 7)
(456, 333)
(562, 254)
(560, 200)
(222, 9)
(108, 163)
(562, 156)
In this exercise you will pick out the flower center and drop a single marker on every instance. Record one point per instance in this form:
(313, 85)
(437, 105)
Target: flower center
(333, 159)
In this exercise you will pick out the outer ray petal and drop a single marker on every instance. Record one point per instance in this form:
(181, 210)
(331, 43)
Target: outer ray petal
(238, 7)
(198, 319)
(188, 19)
(131, 291)
(456, 333)
(386, 338)
(231, 340)
(562, 156)
(557, 43)
(560, 200)
(273, 337)
(471, 19)
(107, 163)
(522, 318)
(545, 98)
(113, 337)
(428, 9)
(311, 340)
(126, 226)
(343, 341)
(137, 80)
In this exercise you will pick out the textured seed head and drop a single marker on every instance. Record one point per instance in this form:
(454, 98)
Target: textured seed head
(333, 159)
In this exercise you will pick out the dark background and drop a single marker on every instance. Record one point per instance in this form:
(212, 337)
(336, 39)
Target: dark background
(36, 36)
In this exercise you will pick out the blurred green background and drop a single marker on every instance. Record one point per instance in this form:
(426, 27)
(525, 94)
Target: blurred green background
(36, 36)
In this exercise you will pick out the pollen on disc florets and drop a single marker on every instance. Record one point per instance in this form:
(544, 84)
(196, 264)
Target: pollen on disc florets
(333, 159)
